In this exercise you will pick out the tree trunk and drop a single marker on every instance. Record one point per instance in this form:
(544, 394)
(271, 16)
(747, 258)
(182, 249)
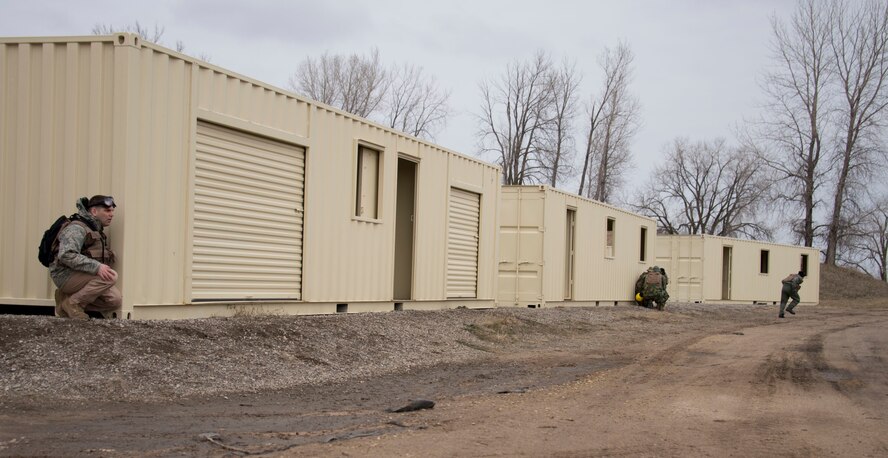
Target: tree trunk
(588, 153)
(832, 237)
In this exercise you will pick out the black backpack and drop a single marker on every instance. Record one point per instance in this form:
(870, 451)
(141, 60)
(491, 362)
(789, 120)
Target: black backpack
(45, 252)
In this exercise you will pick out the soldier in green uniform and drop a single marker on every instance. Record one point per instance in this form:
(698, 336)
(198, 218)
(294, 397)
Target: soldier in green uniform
(791, 285)
(651, 286)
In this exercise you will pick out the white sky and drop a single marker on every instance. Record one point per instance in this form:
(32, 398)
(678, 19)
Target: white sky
(697, 62)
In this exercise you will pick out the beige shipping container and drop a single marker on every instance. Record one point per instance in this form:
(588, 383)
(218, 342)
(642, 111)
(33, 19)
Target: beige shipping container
(711, 269)
(559, 249)
(234, 196)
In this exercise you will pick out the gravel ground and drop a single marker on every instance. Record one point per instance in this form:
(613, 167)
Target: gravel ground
(65, 360)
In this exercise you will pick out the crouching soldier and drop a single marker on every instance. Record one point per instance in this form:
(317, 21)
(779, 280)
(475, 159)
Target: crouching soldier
(651, 287)
(82, 269)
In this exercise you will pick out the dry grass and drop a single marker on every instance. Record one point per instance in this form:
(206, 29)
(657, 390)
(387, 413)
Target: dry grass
(841, 286)
(511, 328)
(857, 303)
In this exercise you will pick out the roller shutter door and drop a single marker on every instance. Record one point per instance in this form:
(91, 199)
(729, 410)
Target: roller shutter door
(462, 244)
(248, 210)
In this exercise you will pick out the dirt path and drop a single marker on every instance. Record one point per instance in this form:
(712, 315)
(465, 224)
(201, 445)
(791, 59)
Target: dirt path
(813, 384)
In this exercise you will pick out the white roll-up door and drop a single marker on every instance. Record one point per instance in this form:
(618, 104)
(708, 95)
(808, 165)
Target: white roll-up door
(248, 210)
(462, 243)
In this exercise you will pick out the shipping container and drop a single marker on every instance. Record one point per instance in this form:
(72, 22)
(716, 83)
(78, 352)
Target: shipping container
(711, 269)
(560, 249)
(234, 196)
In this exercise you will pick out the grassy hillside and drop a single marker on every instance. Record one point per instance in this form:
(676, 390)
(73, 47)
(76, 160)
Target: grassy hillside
(840, 286)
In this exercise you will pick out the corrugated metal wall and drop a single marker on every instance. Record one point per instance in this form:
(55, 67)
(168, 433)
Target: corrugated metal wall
(694, 260)
(542, 212)
(682, 257)
(364, 259)
(598, 277)
(56, 117)
(522, 224)
(113, 115)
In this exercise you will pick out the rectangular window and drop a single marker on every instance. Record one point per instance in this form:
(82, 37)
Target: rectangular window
(642, 245)
(763, 262)
(609, 247)
(804, 266)
(367, 183)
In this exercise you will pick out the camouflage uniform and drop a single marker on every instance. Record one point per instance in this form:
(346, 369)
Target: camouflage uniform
(639, 285)
(652, 287)
(791, 285)
(81, 251)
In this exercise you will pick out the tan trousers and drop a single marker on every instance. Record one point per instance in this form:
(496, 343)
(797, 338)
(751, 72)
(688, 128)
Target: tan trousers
(85, 292)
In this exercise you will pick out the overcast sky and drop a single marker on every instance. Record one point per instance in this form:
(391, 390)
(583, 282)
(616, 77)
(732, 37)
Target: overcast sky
(697, 62)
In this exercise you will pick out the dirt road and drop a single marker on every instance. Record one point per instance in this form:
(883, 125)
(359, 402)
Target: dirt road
(812, 384)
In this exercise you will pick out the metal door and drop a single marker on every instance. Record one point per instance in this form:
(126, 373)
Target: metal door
(570, 241)
(462, 243)
(248, 216)
(726, 273)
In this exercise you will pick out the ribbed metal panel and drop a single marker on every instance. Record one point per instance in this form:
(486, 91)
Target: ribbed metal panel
(696, 271)
(522, 230)
(534, 257)
(462, 244)
(430, 228)
(682, 257)
(248, 207)
(55, 132)
(347, 259)
(222, 92)
(155, 130)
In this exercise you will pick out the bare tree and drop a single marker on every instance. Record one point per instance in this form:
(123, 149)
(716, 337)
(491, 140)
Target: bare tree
(318, 79)
(558, 142)
(867, 248)
(135, 28)
(859, 43)
(364, 83)
(790, 133)
(154, 36)
(612, 123)
(138, 29)
(355, 83)
(403, 98)
(706, 188)
(415, 104)
(875, 242)
(514, 116)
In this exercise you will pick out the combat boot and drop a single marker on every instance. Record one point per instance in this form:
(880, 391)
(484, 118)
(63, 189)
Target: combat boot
(59, 298)
(73, 310)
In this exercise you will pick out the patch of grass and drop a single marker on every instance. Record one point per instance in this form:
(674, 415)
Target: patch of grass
(495, 330)
(247, 312)
(510, 328)
(475, 346)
